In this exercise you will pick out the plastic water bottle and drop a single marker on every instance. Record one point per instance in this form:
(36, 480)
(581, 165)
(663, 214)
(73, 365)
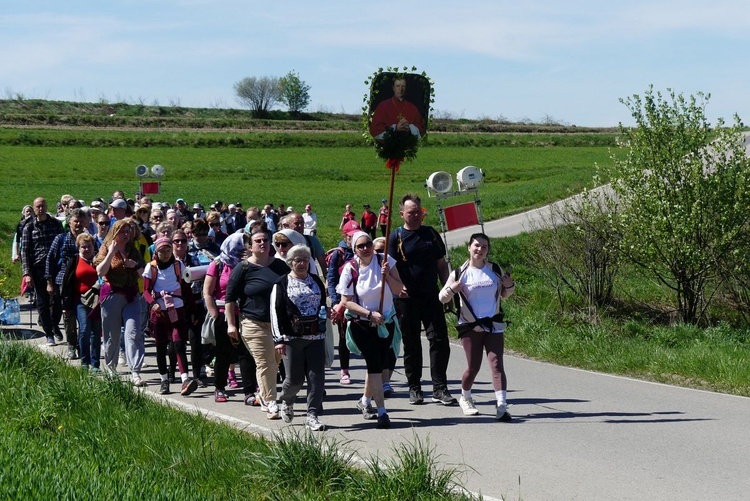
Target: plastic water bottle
(322, 316)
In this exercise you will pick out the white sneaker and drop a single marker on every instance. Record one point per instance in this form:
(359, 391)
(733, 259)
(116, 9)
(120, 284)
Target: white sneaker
(287, 412)
(122, 361)
(313, 423)
(467, 405)
(138, 380)
(273, 410)
(502, 413)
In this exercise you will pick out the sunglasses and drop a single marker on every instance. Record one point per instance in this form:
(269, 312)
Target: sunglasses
(364, 246)
(157, 218)
(260, 240)
(283, 245)
(179, 241)
(103, 223)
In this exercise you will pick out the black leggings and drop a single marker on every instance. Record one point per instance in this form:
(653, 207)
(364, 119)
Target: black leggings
(375, 350)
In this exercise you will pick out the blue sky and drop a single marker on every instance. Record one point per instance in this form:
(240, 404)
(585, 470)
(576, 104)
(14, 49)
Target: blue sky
(570, 60)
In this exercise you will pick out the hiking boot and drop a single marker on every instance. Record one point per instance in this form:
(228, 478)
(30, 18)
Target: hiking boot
(442, 396)
(287, 412)
(312, 423)
(273, 410)
(415, 397)
(384, 422)
(467, 405)
(502, 414)
(220, 396)
(188, 387)
(367, 411)
(164, 388)
(387, 390)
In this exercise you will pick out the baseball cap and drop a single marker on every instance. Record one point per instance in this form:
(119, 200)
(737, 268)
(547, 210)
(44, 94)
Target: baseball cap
(197, 206)
(99, 205)
(366, 206)
(351, 227)
(180, 200)
(384, 200)
(308, 207)
(119, 203)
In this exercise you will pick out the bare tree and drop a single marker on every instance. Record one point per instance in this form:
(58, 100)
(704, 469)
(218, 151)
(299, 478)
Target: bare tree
(258, 93)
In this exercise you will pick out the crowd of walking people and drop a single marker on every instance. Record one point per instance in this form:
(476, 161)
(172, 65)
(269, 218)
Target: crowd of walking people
(262, 296)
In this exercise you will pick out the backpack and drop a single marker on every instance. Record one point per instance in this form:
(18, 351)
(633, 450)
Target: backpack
(355, 274)
(329, 257)
(458, 298)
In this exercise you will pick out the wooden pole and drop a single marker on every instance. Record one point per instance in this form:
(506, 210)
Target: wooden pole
(394, 165)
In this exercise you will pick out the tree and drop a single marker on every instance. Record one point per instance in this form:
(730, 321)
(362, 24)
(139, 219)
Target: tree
(293, 92)
(258, 94)
(684, 192)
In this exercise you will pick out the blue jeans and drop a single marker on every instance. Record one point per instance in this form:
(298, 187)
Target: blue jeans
(89, 336)
(116, 314)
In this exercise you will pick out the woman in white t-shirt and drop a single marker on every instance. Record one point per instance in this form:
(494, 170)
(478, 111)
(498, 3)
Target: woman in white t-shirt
(372, 327)
(167, 296)
(481, 286)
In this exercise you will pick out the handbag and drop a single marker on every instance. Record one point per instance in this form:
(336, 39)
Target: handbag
(90, 298)
(208, 330)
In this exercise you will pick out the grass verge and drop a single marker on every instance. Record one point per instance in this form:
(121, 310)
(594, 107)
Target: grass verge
(69, 435)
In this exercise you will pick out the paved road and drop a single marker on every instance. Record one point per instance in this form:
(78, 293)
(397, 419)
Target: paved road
(575, 435)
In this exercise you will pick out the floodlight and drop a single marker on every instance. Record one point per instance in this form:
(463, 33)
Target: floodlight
(141, 171)
(440, 182)
(469, 177)
(157, 170)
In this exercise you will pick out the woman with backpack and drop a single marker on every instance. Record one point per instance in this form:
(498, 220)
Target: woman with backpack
(168, 297)
(481, 285)
(372, 328)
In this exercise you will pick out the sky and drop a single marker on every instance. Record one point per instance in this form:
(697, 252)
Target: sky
(570, 61)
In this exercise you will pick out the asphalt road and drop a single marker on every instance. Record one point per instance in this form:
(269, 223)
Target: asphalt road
(575, 434)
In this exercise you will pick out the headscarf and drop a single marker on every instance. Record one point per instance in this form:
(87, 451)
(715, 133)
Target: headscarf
(357, 236)
(232, 249)
(293, 237)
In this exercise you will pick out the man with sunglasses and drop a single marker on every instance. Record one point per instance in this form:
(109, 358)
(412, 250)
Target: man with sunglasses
(420, 259)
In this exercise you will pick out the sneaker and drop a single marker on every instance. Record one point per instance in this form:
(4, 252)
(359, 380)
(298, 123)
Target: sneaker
(387, 390)
(345, 379)
(72, 352)
(442, 396)
(164, 388)
(122, 360)
(467, 405)
(51, 341)
(232, 378)
(312, 423)
(188, 387)
(137, 380)
(415, 397)
(252, 400)
(202, 383)
(263, 404)
(209, 371)
(502, 414)
(384, 422)
(367, 410)
(273, 410)
(287, 412)
(220, 396)
(58, 335)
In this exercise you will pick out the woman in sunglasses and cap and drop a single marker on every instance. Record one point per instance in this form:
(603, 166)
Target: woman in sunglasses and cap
(372, 328)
